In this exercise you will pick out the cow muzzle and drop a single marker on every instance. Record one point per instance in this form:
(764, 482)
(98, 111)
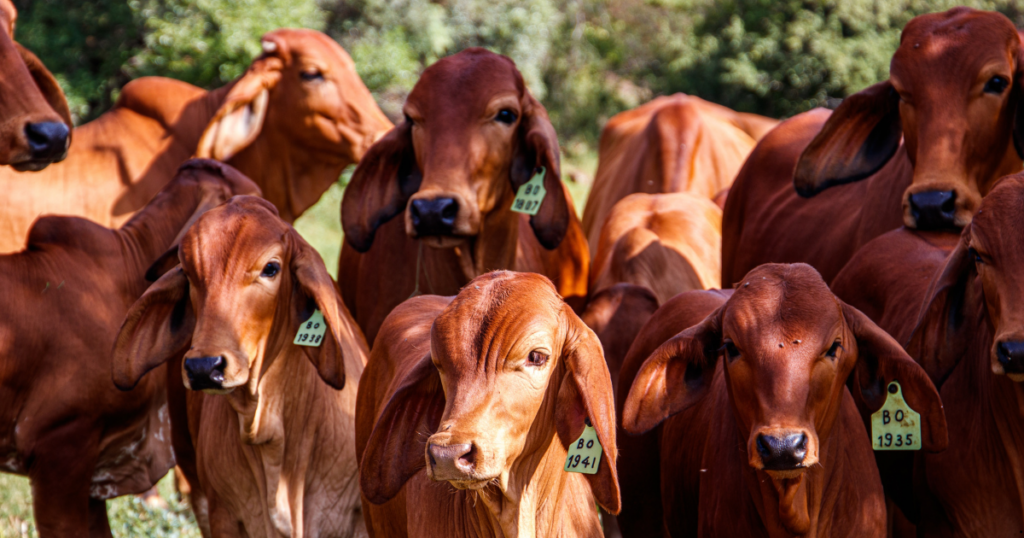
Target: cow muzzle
(47, 143)
(782, 453)
(433, 217)
(933, 210)
(205, 373)
(455, 463)
(1010, 359)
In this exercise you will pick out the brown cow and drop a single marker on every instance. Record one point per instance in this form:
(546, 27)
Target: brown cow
(472, 136)
(292, 122)
(952, 98)
(78, 439)
(272, 421)
(466, 411)
(969, 336)
(35, 122)
(768, 440)
(678, 143)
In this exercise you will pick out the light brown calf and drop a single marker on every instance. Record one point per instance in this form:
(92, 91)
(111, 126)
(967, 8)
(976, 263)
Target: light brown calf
(466, 411)
(271, 421)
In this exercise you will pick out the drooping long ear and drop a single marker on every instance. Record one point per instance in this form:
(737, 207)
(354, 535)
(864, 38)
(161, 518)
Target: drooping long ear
(157, 328)
(880, 361)
(396, 447)
(586, 392)
(381, 186)
(857, 140)
(239, 119)
(676, 375)
(537, 148)
(344, 350)
(48, 87)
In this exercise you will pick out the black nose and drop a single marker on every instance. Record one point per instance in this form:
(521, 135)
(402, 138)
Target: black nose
(452, 460)
(205, 372)
(1011, 356)
(934, 210)
(434, 217)
(782, 453)
(48, 140)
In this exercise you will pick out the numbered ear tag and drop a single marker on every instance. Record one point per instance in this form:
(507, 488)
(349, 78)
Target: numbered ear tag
(530, 195)
(584, 453)
(311, 332)
(896, 426)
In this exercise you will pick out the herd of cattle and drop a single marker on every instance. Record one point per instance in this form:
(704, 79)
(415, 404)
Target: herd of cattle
(706, 353)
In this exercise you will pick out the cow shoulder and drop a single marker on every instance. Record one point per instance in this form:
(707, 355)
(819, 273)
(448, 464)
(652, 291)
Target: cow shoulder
(72, 232)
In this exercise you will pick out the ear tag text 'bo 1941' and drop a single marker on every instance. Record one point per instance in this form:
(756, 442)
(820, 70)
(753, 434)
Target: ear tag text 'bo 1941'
(895, 426)
(311, 332)
(531, 194)
(584, 453)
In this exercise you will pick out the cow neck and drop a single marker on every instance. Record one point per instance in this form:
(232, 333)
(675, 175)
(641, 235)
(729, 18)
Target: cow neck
(495, 246)
(197, 116)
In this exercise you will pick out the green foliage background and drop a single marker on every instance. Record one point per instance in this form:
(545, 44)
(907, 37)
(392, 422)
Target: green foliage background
(586, 60)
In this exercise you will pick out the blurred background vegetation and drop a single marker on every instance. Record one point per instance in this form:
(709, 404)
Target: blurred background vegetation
(586, 60)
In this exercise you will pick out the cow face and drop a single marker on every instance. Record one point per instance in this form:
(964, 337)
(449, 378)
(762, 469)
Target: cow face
(36, 122)
(788, 347)
(472, 136)
(517, 371)
(953, 94)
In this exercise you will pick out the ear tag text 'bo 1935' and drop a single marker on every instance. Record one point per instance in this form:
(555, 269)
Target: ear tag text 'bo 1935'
(311, 332)
(895, 426)
(531, 194)
(584, 453)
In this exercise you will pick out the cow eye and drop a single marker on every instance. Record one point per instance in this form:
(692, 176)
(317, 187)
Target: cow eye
(836, 346)
(409, 120)
(311, 75)
(974, 254)
(730, 350)
(506, 116)
(996, 85)
(270, 270)
(536, 358)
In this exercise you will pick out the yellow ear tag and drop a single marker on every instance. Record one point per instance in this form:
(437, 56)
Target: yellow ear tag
(896, 426)
(585, 453)
(311, 332)
(530, 195)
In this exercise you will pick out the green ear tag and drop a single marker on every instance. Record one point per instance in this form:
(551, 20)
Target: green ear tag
(896, 426)
(530, 195)
(311, 332)
(584, 453)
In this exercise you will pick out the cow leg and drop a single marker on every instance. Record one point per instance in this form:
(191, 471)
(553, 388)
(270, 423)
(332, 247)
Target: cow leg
(99, 525)
(60, 475)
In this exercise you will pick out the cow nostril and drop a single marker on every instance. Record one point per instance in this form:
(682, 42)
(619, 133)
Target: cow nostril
(47, 140)
(450, 211)
(205, 372)
(933, 210)
(799, 446)
(466, 461)
(1010, 354)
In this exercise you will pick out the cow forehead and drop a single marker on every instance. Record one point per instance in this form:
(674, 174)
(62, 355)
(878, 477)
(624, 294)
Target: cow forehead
(463, 84)
(955, 42)
(309, 43)
(228, 238)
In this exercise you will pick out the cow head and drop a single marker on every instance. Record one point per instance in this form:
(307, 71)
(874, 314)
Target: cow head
(35, 122)
(472, 136)
(989, 254)
(245, 285)
(788, 346)
(954, 93)
(514, 370)
(305, 103)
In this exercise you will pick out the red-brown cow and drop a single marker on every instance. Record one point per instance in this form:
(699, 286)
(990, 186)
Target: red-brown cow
(272, 447)
(472, 136)
(960, 318)
(292, 123)
(78, 439)
(759, 434)
(678, 143)
(35, 123)
(953, 97)
(468, 407)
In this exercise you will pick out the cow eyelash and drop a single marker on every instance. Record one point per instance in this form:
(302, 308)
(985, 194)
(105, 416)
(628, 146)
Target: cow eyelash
(832, 351)
(974, 254)
(996, 85)
(270, 270)
(536, 358)
(730, 349)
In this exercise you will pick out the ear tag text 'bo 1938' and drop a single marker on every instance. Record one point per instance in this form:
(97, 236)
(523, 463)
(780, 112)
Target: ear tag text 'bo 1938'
(895, 426)
(531, 194)
(584, 453)
(311, 332)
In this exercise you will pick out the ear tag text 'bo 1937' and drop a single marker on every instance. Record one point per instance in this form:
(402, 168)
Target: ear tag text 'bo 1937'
(895, 426)
(531, 194)
(584, 453)
(311, 332)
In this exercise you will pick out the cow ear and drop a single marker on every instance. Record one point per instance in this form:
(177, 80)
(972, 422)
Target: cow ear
(158, 327)
(858, 139)
(48, 87)
(380, 187)
(239, 119)
(586, 393)
(677, 375)
(536, 149)
(397, 445)
(880, 361)
(343, 350)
